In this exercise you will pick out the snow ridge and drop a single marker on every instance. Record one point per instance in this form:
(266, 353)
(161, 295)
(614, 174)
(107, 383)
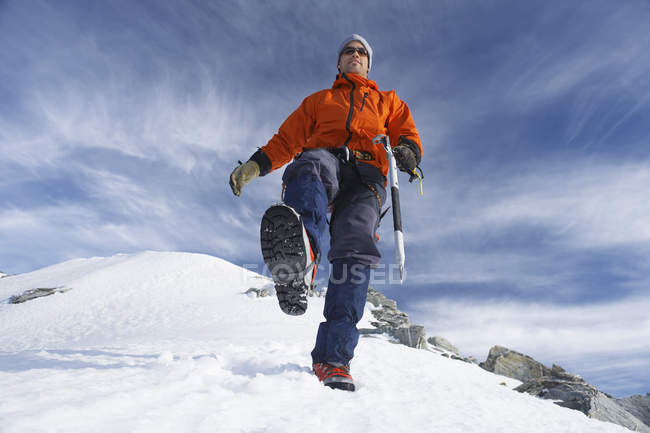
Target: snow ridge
(169, 342)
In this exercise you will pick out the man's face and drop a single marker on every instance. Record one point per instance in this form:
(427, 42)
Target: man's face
(354, 63)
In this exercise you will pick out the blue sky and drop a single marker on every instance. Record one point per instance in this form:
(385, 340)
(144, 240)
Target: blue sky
(120, 122)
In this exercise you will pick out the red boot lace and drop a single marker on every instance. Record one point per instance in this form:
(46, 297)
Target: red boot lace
(325, 371)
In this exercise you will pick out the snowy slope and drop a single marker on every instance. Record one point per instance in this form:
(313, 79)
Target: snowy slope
(168, 342)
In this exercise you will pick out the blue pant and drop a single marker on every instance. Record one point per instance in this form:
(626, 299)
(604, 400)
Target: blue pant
(318, 179)
(313, 182)
(344, 303)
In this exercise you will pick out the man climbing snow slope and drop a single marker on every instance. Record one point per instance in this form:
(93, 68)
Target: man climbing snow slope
(336, 168)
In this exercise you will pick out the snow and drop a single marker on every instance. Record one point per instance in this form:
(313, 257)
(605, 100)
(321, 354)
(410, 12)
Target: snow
(169, 342)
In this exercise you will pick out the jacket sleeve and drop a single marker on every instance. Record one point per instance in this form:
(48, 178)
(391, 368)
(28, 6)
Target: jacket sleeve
(289, 140)
(401, 127)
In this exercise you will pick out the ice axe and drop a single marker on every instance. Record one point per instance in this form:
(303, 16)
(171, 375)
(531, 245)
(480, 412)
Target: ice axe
(394, 197)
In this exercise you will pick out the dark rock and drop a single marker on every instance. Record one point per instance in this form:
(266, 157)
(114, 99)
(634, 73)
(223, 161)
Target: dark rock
(413, 336)
(395, 323)
(444, 344)
(35, 293)
(575, 393)
(389, 318)
(386, 311)
(568, 390)
(506, 362)
(378, 299)
(637, 405)
(258, 293)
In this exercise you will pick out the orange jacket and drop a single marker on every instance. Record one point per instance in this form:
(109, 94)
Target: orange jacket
(351, 113)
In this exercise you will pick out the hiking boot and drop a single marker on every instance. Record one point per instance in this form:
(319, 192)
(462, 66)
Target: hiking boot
(288, 254)
(336, 376)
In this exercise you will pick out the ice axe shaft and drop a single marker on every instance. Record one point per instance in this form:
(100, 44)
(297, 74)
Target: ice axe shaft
(394, 197)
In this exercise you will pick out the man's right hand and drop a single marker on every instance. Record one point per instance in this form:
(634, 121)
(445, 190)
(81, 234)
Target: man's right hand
(243, 174)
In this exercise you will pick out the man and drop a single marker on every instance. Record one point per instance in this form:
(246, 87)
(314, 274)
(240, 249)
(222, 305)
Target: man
(336, 168)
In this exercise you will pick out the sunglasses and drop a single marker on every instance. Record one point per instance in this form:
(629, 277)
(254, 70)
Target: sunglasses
(350, 50)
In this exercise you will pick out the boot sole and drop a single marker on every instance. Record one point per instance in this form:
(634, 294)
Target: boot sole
(283, 249)
(344, 386)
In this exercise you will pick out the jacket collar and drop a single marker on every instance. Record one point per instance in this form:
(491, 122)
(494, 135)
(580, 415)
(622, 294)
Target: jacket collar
(346, 80)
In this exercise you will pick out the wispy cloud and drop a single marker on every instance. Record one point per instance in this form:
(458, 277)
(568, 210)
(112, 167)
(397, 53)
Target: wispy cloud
(588, 206)
(541, 227)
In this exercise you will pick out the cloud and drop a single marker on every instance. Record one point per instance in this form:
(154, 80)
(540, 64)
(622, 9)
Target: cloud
(159, 124)
(591, 205)
(541, 226)
(123, 141)
(562, 77)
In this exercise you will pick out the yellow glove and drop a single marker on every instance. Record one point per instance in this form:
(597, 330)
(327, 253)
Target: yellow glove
(243, 174)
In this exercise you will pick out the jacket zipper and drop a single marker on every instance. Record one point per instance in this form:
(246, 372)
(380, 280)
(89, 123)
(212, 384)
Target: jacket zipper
(347, 123)
(363, 101)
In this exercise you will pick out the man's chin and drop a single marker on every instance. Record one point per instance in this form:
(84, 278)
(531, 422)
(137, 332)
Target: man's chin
(354, 71)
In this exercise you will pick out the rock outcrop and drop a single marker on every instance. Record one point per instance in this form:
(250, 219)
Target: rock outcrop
(574, 393)
(506, 362)
(569, 390)
(389, 320)
(395, 323)
(28, 295)
(637, 405)
(254, 292)
(444, 344)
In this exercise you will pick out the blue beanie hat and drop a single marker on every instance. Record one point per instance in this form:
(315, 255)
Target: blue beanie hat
(366, 45)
